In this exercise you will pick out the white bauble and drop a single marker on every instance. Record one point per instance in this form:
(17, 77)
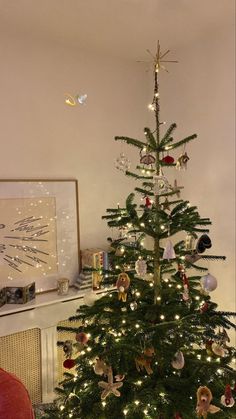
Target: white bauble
(141, 267)
(209, 283)
(178, 361)
(89, 298)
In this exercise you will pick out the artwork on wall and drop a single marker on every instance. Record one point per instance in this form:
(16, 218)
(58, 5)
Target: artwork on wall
(39, 232)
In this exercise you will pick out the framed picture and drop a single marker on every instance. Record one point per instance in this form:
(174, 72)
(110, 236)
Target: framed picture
(39, 232)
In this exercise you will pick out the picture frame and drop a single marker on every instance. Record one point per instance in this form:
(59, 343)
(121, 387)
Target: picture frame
(39, 232)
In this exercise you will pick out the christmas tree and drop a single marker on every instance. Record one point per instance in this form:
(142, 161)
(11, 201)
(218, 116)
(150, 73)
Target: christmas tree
(155, 345)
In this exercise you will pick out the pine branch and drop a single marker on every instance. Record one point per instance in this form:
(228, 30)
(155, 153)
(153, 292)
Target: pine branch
(131, 141)
(134, 175)
(166, 137)
(208, 257)
(151, 139)
(179, 143)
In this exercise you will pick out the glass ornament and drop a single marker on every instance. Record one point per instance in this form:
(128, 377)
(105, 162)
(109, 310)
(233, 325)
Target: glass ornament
(208, 283)
(122, 163)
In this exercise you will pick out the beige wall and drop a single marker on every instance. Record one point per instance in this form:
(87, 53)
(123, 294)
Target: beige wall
(42, 137)
(199, 95)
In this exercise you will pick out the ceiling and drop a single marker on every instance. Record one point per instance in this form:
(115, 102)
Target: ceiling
(122, 28)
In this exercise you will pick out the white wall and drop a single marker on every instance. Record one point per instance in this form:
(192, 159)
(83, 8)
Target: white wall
(199, 95)
(44, 138)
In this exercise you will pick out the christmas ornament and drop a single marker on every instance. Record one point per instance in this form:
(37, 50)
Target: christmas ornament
(227, 399)
(209, 347)
(119, 377)
(122, 163)
(185, 294)
(192, 258)
(204, 398)
(100, 367)
(168, 159)
(141, 267)
(160, 184)
(178, 361)
(68, 348)
(134, 305)
(208, 283)
(81, 99)
(204, 242)
(147, 159)
(122, 284)
(109, 387)
(178, 416)
(90, 297)
(81, 337)
(144, 360)
(166, 205)
(69, 363)
(71, 100)
(169, 252)
(204, 307)
(182, 161)
(176, 188)
(189, 242)
(147, 202)
(219, 350)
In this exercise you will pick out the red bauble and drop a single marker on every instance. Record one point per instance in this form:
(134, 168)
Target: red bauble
(147, 202)
(178, 415)
(168, 159)
(82, 338)
(69, 363)
(204, 307)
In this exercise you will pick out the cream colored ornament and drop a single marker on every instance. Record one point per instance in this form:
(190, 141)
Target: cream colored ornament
(178, 361)
(110, 387)
(141, 267)
(208, 283)
(189, 242)
(219, 349)
(161, 184)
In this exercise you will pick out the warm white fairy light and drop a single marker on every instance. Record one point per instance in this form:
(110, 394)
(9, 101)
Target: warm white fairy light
(208, 359)
(89, 349)
(156, 94)
(218, 359)
(139, 382)
(117, 267)
(142, 224)
(145, 411)
(62, 407)
(179, 286)
(90, 362)
(158, 298)
(137, 402)
(123, 321)
(170, 285)
(220, 371)
(151, 284)
(182, 257)
(199, 356)
(162, 317)
(148, 172)
(177, 317)
(137, 326)
(82, 352)
(70, 415)
(137, 294)
(104, 404)
(162, 227)
(125, 411)
(197, 297)
(166, 280)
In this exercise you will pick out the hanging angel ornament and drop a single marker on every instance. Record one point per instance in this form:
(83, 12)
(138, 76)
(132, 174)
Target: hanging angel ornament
(182, 161)
(169, 252)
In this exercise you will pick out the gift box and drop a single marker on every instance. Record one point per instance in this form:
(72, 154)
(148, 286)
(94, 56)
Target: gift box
(20, 294)
(2, 296)
(96, 259)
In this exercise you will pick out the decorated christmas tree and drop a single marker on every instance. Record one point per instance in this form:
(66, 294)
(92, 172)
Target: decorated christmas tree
(155, 345)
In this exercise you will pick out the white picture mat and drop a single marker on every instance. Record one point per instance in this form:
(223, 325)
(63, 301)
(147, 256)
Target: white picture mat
(65, 194)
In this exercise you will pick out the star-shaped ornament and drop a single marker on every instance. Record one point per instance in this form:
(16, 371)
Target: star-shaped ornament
(166, 205)
(158, 58)
(110, 387)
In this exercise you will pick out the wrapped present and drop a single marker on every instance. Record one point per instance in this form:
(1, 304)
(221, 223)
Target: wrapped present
(97, 259)
(20, 294)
